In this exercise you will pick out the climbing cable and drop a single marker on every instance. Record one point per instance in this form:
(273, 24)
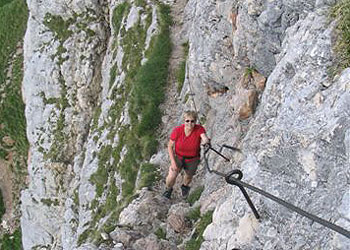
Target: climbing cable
(231, 179)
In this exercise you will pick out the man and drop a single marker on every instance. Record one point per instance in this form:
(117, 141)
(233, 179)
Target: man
(184, 152)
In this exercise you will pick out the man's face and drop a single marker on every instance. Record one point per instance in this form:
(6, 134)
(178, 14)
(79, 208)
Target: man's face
(189, 122)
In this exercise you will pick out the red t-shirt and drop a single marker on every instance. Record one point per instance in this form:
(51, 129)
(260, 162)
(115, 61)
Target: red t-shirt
(187, 145)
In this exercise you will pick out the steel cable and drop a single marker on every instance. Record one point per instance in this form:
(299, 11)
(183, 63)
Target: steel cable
(230, 179)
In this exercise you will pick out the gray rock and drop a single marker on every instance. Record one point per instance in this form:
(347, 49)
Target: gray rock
(295, 144)
(152, 243)
(118, 246)
(177, 217)
(124, 236)
(145, 212)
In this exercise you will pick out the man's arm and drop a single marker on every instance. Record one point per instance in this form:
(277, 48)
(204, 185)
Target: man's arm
(171, 154)
(204, 139)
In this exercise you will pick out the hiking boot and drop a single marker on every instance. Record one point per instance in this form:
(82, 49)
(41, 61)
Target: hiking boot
(167, 193)
(185, 190)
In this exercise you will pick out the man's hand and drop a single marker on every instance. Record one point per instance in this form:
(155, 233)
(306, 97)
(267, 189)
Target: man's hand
(207, 145)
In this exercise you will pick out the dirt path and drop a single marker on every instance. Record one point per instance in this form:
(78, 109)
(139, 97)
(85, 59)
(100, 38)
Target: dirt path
(172, 108)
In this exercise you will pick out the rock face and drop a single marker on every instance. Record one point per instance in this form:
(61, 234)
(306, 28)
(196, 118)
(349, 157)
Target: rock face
(64, 49)
(257, 71)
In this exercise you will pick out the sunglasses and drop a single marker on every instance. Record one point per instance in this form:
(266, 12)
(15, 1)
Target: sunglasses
(192, 121)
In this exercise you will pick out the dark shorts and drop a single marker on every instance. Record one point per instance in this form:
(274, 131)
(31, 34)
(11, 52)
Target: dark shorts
(190, 166)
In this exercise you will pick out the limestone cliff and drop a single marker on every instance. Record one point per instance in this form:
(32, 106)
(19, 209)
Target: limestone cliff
(101, 97)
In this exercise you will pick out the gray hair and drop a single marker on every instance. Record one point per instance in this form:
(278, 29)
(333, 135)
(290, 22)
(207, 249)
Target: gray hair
(190, 113)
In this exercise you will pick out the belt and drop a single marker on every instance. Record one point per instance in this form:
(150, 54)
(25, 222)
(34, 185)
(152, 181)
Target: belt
(184, 158)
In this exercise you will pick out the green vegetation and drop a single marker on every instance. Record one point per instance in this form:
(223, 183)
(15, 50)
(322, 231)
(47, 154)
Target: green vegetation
(148, 175)
(149, 86)
(195, 195)
(248, 72)
(194, 214)
(181, 72)
(62, 30)
(59, 26)
(100, 177)
(160, 233)
(13, 140)
(4, 2)
(12, 120)
(203, 120)
(341, 11)
(118, 15)
(140, 3)
(50, 100)
(2, 206)
(50, 202)
(197, 238)
(12, 117)
(143, 90)
(12, 242)
(12, 29)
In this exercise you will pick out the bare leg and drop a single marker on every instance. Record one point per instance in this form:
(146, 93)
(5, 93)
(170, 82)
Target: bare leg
(187, 179)
(171, 178)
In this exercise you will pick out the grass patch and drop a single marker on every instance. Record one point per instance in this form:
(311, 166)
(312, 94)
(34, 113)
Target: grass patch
(195, 195)
(160, 233)
(4, 2)
(12, 29)
(341, 12)
(13, 22)
(118, 15)
(59, 26)
(181, 71)
(197, 238)
(249, 72)
(140, 3)
(50, 202)
(12, 119)
(149, 84)
(194, 214)
(12, 242)
(148, 175)
(100, 177)
(12, 116)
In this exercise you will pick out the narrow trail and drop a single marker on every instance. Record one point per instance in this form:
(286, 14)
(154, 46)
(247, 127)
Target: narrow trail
(172, 101)
(171, 108)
